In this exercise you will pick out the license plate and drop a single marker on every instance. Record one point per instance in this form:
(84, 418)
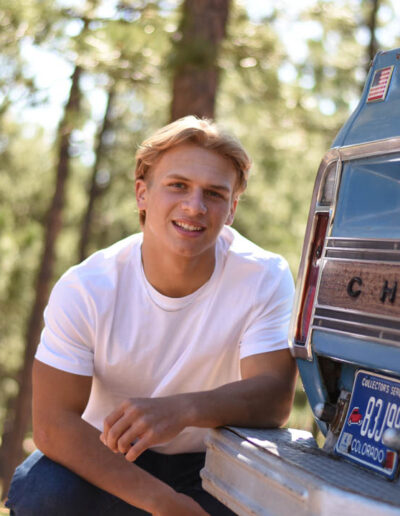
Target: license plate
(374, 407)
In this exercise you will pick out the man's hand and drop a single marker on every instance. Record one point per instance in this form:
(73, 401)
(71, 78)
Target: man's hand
(140, 423)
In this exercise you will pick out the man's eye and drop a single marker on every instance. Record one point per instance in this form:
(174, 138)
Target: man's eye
(213, 193)
(178, 186)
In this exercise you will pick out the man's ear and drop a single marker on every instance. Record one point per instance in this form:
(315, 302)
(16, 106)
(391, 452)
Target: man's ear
(141, 194)
(232, 211)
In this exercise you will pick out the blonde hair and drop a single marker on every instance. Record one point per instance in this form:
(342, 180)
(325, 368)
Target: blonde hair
(200, 131)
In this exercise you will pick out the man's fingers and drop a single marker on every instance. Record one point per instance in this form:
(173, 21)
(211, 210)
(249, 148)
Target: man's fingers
(120, 428)
(138, 448)
(111, 419)
(126, 440)
(115, 424)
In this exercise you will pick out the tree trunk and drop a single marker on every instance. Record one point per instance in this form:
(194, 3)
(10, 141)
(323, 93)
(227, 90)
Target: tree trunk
(95, 191)
(18, 421)
(371, 24)
(195, 81)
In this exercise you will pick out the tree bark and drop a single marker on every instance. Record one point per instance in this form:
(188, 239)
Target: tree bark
(195, 81)
(18, 421)
(95, 191)
(371, 24)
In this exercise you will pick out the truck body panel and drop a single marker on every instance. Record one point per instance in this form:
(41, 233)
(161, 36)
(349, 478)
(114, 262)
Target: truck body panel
(375, 120)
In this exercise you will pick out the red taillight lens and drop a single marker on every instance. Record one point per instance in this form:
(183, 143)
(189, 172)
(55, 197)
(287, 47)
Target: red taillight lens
(308, 294)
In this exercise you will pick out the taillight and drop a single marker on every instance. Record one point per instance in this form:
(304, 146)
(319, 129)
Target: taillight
(319, 220)
(310, 284)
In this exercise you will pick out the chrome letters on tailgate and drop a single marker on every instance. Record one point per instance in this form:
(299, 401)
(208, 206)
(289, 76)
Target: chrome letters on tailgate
(359, 290)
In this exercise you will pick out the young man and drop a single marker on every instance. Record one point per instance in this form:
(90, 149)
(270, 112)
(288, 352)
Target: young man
(150, 342)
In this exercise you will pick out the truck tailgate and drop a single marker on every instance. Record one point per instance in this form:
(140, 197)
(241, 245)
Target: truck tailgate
(283, 472)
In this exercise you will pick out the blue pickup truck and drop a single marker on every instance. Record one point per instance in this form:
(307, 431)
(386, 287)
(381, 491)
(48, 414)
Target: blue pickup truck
(345, 336)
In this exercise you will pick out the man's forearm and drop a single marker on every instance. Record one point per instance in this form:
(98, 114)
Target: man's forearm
(263, 398)
(261, 401)
(75, 444)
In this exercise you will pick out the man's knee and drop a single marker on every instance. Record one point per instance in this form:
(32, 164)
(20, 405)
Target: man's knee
(40, 487)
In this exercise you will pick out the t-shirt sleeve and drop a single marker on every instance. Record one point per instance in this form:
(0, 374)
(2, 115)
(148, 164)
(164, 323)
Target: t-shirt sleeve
(67, 339)
(269, 325)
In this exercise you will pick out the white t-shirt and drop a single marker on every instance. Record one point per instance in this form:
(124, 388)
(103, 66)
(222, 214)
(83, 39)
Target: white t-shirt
(105, 320)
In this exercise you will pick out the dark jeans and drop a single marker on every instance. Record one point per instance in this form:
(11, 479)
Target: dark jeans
(42, 487)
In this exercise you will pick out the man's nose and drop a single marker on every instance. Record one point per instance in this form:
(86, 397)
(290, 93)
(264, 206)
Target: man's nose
(194, 202)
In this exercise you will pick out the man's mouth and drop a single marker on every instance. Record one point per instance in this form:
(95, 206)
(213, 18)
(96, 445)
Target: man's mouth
(187, 226)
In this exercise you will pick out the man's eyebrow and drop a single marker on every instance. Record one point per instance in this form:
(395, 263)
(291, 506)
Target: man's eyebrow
(211, 186)
(222, 188)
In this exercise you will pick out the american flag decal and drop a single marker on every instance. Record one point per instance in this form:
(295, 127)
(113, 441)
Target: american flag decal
(380, 84)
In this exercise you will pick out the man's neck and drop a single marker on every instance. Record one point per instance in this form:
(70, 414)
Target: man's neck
(177, 276)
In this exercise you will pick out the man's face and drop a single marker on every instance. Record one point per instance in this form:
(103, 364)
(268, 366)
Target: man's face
(188, 197)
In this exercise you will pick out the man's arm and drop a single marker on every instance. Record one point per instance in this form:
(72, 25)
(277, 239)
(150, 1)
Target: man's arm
(263, 398)
(59, 398)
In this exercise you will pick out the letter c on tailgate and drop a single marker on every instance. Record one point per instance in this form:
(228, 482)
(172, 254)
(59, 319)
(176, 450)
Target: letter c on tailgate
(350, 286)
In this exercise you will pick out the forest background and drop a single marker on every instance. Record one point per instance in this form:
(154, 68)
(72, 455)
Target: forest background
(83, 82)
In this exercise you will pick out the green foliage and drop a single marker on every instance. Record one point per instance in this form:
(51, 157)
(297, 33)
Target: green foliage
(23, 202)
